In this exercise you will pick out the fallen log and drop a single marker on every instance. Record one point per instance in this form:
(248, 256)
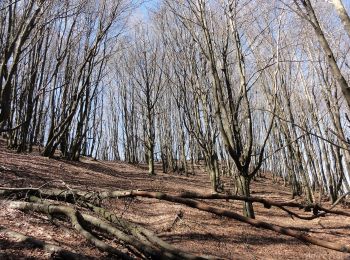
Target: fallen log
(96, 197)
(148, 249)
(256, 223)
(184, 199)
(142, 233)
(268, 204)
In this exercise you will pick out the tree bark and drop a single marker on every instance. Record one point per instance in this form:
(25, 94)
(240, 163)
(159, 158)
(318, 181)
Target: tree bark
(344, 17)
(313, 20)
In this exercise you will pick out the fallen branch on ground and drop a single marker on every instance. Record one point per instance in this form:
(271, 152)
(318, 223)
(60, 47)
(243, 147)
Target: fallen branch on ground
(79, 221)
(140, 232)
(96, 197)
(269, 203)
(258, 224)
(81, 198)
(75, 219)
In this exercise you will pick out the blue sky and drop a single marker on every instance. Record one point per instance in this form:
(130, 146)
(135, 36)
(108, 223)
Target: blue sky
(148, 4)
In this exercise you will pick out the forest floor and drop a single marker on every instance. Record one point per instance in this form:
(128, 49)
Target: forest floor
(188, 229)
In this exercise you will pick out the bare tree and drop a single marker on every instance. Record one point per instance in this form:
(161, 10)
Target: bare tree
(147, 74)
(307, 12)
(342, 14)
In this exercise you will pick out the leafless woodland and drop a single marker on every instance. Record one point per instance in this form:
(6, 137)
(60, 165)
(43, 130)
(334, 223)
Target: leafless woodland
(239, 89)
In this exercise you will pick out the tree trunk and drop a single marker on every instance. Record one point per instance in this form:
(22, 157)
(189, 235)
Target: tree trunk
(343, 15)
(150, 158)
(244, 189)
(328, 51)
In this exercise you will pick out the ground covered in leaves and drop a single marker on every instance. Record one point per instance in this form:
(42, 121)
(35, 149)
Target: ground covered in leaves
(188, 229)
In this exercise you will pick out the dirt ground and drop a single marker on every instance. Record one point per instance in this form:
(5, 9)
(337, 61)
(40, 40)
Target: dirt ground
(197, 232)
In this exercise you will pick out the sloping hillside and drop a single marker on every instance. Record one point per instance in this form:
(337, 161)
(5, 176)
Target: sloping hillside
(190, 230)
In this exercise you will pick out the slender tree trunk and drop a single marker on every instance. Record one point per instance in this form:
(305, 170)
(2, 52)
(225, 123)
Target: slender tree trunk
(150, 157)
(344, 17)
(313, 20)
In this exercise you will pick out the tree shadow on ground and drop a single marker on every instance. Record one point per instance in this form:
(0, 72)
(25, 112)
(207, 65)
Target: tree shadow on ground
(232, 239)
(17, 250)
